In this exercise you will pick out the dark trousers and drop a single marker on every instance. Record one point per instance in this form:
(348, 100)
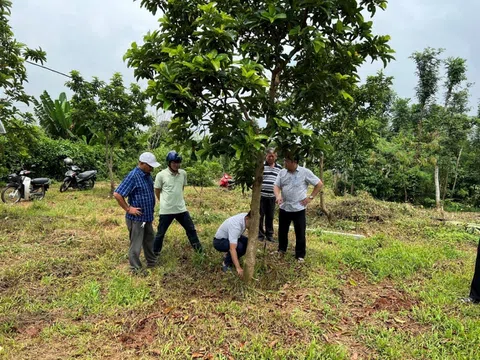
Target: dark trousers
(141, 235)
(267, 211)
(475, 288)
(299, 224)
(186, 221)
(223, 245)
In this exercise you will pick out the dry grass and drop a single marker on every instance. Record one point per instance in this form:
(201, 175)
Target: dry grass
(66, 291)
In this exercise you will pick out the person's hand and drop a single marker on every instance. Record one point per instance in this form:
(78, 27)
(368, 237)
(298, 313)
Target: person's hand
(134, 211)
(305, 201)
(279, 201)
(240, 272)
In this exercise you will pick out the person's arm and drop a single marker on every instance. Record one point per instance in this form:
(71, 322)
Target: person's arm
(233, 253)
(184, 180)
(158, 185)
(123, 204)
(314, 193)
(278, 194)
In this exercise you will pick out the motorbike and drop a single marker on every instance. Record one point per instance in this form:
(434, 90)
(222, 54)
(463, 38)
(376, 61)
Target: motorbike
(20, 186)
(76, 179)
(227, 182)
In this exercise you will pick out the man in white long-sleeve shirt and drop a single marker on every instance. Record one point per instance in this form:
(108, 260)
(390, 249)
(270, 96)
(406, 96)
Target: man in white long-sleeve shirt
(229, 238)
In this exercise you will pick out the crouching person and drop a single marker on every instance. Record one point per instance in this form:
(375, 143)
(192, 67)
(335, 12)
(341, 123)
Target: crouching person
(230, 239)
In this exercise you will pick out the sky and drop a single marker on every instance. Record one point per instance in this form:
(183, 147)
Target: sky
(92, 36)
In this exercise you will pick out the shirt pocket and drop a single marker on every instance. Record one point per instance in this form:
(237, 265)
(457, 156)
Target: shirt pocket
(286, 182)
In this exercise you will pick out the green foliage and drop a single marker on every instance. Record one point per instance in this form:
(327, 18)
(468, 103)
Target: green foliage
(428, 68)
(56, 119)
(111, 112)
(204, 173)
(210, 64)
(48, 154)
(13, 74)
(15, 145)
(124, 291)
(158, 135)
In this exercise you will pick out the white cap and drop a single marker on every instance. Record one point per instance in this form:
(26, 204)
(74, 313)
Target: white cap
(149, 158)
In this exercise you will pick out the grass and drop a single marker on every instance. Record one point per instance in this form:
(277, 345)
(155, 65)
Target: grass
(66, 290)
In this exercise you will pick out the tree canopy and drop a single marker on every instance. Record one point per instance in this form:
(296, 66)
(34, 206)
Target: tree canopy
(113, 113)
(13, 73)
(224, 68)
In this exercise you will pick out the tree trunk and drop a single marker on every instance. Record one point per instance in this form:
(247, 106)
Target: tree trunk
(406, 195)
(445, 186)
(456, 170)
(322, 194)
(437, 187)
(335, 183)
(250, 256)
(419, 132)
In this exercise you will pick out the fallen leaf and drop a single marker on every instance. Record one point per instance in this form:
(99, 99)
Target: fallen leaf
(197, 355)
(169, 309)
(354, 356)
(400, 321)
(273, 343)
(325, 337)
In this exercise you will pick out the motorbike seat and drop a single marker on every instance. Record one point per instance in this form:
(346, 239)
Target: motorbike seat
(87, 174)
(40, 181)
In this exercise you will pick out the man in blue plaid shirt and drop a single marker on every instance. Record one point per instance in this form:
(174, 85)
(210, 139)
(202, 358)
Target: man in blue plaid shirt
(138, 187)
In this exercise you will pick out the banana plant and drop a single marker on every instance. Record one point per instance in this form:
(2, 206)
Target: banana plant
(55, 117)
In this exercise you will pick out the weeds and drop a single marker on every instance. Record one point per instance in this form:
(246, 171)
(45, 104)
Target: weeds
(66, 290)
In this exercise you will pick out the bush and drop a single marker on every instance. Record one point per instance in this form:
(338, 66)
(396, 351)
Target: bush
(48, 154)
(204, 174)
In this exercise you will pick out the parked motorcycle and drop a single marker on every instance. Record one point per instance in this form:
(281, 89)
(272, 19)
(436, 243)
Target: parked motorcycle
(20, 186)
(76, 179)
(227, 182)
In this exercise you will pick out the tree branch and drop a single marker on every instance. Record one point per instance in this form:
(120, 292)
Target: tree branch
(244, 109)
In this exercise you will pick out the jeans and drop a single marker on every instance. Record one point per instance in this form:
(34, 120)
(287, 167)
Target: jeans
(186, 221)
(299, 224)
(223, 245)
(141, 235)
(267, 211)
(475, 287)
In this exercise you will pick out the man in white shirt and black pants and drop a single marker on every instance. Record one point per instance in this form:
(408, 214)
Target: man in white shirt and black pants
(230, 239)
(291, 193)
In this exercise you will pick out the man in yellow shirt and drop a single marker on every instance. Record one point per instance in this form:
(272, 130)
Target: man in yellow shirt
(169, 185)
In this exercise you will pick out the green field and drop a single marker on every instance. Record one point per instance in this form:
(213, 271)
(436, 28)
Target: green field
(66, 291)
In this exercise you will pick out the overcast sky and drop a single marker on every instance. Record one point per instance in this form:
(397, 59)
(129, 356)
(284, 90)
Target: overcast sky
(93, 35)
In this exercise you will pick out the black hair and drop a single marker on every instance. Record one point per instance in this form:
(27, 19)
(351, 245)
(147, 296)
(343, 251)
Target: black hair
(248, 215)
(292, 156)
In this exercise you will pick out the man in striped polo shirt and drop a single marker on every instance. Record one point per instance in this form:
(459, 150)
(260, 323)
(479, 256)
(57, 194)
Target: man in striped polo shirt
(267, 201)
